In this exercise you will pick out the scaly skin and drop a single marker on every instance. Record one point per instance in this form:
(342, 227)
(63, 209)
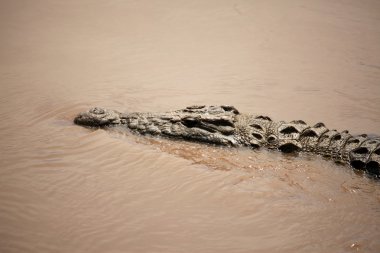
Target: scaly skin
(224, 125)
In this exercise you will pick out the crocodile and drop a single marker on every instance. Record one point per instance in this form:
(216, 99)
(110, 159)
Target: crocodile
(225, 125)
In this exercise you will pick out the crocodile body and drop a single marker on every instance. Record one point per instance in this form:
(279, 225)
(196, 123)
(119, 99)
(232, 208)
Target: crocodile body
(225, 125)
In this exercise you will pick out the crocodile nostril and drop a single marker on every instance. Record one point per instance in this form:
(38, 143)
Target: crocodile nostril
(97, 110)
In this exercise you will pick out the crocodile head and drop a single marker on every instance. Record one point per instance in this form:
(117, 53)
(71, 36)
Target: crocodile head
(98, 117)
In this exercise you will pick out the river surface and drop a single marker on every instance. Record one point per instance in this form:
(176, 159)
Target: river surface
(64, 188)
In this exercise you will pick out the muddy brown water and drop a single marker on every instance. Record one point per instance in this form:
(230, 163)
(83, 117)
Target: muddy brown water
(64, 188)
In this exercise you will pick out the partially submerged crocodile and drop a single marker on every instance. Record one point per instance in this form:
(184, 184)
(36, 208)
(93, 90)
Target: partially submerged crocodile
(224, 125)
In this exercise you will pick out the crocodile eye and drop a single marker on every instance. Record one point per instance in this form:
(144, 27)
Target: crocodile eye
(190, 123)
